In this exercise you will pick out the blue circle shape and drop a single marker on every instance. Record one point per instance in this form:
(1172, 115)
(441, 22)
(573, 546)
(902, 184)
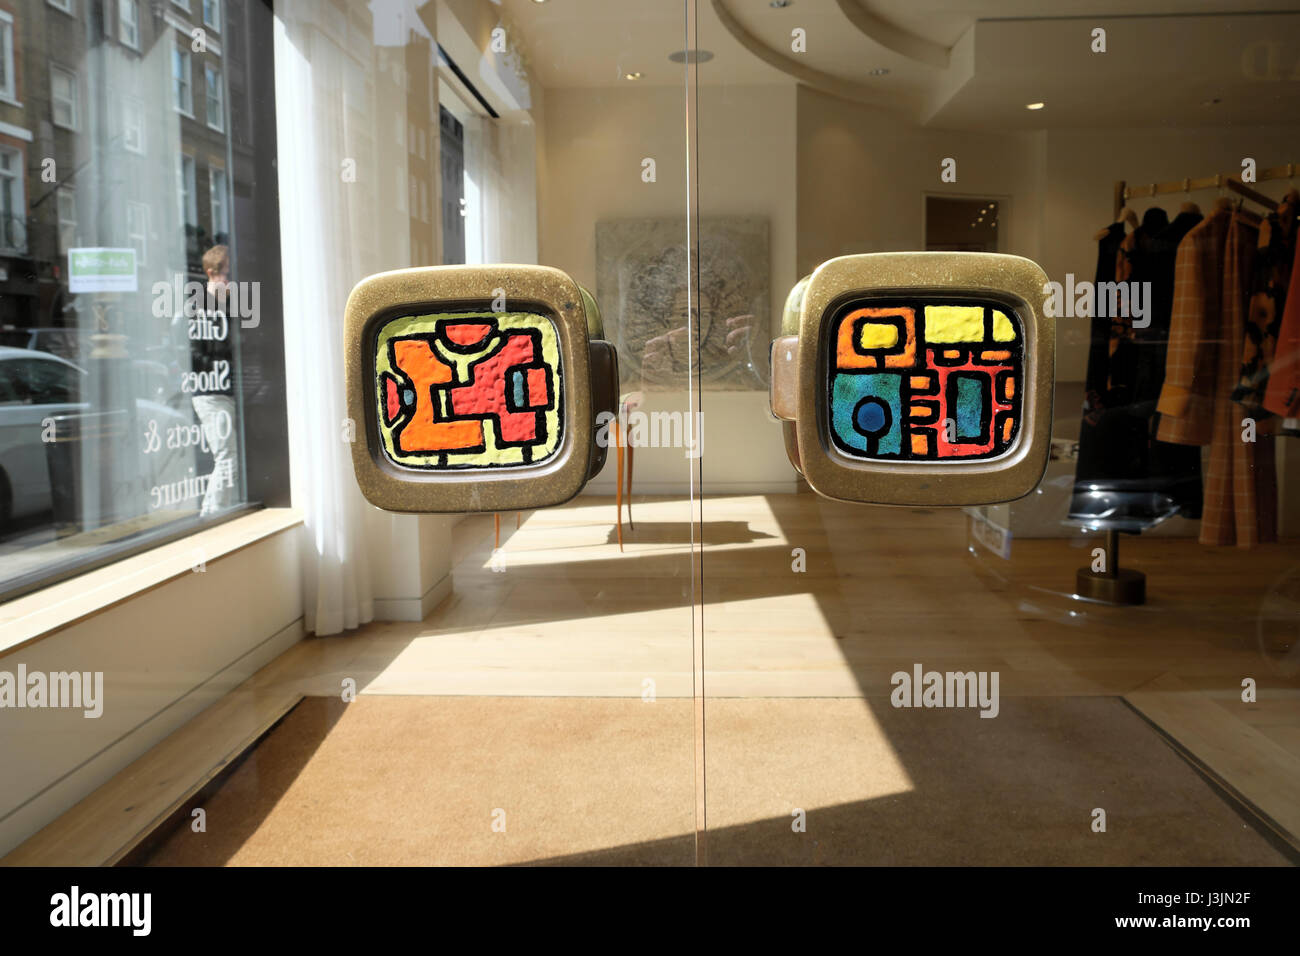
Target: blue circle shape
(871, 417)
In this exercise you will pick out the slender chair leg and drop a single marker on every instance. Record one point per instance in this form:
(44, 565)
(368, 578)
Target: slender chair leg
(517, 520)
(496, 526)
(630, 523)
(618, 495)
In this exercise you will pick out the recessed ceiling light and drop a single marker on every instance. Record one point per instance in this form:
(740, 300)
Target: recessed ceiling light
(879, 71)
(781, 4)
(691, 56)
(632, 76)
(1034, 106)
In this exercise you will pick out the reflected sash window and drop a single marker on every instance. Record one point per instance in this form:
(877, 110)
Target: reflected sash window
(128, 23)
(182, 82)
(219, 210)
(216, 102)
(67, 200)
(13, 234)
(63, 97)
(8, 84)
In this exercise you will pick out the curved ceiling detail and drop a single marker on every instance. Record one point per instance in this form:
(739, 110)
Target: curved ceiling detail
(825, 82)
(894, 38)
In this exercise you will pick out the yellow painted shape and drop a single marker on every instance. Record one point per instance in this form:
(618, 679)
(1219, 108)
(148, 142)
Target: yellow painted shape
(954, 323)
(1003, 330)
(876, 336)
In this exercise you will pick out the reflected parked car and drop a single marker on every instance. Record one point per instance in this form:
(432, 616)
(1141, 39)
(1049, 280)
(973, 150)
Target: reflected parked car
(35, 386)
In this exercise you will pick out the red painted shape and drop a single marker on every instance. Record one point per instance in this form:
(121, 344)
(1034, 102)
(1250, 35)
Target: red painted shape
(391, 404)
(466, 333)
(487, 393)
(537, 387)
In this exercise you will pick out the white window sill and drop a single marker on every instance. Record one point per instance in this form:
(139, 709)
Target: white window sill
(33, 616)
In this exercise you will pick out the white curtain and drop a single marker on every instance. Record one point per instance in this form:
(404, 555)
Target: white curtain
(501, 164)
(331, 179)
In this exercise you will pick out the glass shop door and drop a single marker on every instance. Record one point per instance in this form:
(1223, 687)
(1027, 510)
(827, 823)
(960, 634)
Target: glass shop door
(1102, 670)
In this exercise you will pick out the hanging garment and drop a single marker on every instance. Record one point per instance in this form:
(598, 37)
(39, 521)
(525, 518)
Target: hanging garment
(1158, 267)
(1268, 292)
(1097, 458)
(1282, 394)
(1117, 452)
(1099, 333)
(1241, 482)
(1177, 468)
(1186, 402)
(1136, 261)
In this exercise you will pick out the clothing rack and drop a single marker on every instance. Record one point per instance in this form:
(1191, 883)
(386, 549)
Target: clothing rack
(1124, 192)
(1121, 585)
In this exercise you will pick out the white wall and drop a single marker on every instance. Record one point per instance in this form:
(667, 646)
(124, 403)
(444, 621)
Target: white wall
(1082, 167)
(166, 654)
(863, 175)
(593, 143)
(410, 563)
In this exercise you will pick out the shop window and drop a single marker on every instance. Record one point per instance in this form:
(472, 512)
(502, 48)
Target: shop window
(127, 420)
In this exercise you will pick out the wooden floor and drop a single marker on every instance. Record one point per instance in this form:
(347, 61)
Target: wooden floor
(567, 615)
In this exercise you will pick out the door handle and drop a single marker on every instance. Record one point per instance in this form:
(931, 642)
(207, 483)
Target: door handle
(476, 388)
(917, 378)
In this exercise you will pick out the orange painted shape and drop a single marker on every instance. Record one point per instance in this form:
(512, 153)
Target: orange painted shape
(441, 436)
(423, 433)
(1007, 425)
(920, 445)
(1008, 389)
(416, 359)
(847, 354)
(996, 356)
(951, 353)
(921, 383)
(920, 411)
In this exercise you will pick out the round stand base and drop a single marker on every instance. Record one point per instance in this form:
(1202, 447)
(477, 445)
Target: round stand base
(1126, 586)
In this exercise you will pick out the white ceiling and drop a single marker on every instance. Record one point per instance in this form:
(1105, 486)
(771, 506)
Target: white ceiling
(583, 43)
(1164, 59)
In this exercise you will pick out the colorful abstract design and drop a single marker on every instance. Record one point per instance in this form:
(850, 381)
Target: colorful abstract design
(468, 390)
(925, 380)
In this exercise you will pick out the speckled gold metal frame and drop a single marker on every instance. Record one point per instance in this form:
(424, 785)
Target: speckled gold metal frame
(1016, 283)
(536, 289)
